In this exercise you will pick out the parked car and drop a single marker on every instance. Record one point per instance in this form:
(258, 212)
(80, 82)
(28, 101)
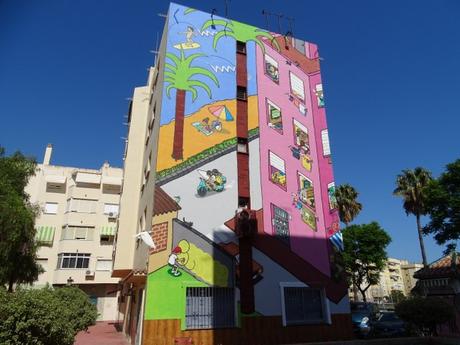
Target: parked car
(363, 315)
(388, 325)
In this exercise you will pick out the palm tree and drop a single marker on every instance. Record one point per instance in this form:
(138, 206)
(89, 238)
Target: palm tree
(178, 75)
(240, 32)
(349, 207)
(410, 185)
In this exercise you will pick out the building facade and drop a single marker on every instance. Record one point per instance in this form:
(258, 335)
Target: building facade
(228, 170)
(398, 275)
(76, 229)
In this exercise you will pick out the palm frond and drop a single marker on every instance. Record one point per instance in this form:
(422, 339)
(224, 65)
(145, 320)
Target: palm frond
(173, 58)
(171, 67)
(200, 84)
(203, 71)
(168, 90)
(221, 34)
(192, 57)
(268, 35)
(210, 22)
(193, 91)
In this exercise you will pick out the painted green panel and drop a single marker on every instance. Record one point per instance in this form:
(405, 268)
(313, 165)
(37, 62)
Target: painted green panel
(166, 294)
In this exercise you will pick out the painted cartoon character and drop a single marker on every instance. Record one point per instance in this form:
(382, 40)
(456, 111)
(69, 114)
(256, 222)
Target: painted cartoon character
(189, 35)
(211, 180)
(296, 201)
(173, 261)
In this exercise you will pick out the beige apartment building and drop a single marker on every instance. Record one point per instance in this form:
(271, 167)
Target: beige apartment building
(76, 228)
(398, 275)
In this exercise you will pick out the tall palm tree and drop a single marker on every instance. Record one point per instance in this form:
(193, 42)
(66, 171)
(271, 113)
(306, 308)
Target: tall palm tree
(240, 32)
(349, 207)
(410, 185)
(178, 75)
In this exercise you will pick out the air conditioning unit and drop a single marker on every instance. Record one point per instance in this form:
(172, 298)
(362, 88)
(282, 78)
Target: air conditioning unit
(89, 273)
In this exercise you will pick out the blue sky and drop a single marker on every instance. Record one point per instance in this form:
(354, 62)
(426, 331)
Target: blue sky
(390, 72)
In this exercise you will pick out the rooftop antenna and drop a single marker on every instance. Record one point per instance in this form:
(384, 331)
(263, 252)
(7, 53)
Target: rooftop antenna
(212, 18)
(155, 52)
(289, 33)
(277, 15)
(226, 8)
(267, 24)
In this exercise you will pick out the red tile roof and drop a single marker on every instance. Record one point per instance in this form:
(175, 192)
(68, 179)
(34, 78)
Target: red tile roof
(163, 203)
(441, 268)
(291, 262)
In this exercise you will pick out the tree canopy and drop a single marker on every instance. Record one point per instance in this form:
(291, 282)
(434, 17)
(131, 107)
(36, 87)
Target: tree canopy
(347, 201)
(443, 205)
(365, 254)
(17, 221)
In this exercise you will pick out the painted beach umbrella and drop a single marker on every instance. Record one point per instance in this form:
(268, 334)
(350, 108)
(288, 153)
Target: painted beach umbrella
(221, 112)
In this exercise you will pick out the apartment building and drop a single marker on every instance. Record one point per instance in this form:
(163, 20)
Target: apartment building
(228, 222)
(398, 275)
(76, 228)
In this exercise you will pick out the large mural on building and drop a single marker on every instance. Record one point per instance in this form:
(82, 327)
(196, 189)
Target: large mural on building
(292, 185)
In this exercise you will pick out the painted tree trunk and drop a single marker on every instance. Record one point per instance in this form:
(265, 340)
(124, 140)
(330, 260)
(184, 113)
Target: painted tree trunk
(178, 144)
(420, 238)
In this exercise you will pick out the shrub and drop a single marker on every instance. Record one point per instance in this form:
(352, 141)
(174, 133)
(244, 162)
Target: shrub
(44, 316)
(425, 313)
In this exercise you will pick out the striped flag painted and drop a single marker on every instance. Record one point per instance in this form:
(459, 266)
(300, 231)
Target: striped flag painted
(337, 240)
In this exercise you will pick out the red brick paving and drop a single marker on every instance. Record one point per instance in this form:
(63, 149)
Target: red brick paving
(103, 333)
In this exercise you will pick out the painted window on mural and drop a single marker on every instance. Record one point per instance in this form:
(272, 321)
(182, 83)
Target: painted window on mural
(306, 191)
(303, 305)
(325, 142)
(209, 307)
(297, 87)
(319, 95)
(277, 170)
(275, 120)
(280, 222)
(271, 68)
(308, 217)
(301, 148)
(331, 196)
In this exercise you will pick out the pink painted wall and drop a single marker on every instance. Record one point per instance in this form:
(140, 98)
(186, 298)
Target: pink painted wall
(311, 245)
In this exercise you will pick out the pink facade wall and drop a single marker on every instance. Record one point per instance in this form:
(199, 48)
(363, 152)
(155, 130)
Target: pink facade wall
(311, 245)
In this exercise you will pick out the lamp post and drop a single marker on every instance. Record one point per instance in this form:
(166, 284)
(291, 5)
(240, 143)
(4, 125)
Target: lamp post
(70, 281)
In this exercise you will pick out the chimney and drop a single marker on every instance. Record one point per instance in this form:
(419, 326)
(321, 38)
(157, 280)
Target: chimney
(48, 152)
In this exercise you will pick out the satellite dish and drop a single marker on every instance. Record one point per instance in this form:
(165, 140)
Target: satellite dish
(146, 238)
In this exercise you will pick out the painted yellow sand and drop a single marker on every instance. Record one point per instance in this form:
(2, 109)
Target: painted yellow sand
(194, 140)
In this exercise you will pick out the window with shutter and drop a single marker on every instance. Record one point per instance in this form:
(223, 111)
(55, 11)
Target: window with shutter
(297, 86)
(303, 305)
(277, 170)
(51, 208)
(325, 142)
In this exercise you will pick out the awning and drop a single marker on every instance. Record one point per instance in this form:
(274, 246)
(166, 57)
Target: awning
(56, 179)
(108, 231)
(45, 234)
(112, 180)
(88, 178)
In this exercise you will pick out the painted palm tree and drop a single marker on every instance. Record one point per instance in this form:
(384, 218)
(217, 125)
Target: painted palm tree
(347, 201)
(179, 74)
(240, 32)
(410, 185)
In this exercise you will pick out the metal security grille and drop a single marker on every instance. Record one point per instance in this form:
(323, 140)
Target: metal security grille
(210, 307)
(303, 305)
(281, 223)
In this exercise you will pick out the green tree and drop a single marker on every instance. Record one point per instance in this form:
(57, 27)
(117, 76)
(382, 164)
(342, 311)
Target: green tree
(17, 221)
(425, 313)
(443, 205)
(178, 75)
(410, 185)
(396, 296)
(240, 32)
(44, 316)
(347, 201)
(365, 254)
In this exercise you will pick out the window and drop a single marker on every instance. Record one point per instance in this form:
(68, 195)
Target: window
(241, 93)
(51, 208)
(277, 170)
(303, 305)
(242, 145)
(241, 47)
(275, 120)
(111, 209)
(103, 265)
(319, 95)
(209, 307)
(306, 191)
(331, 196)
(77, 233)
(73, 260)
(81, 205)
(271, 68)
(297, 87)
(325, 141)
(280, 222)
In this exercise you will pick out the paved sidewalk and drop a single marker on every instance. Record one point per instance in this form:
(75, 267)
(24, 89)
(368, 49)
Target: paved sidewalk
(103, 333)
